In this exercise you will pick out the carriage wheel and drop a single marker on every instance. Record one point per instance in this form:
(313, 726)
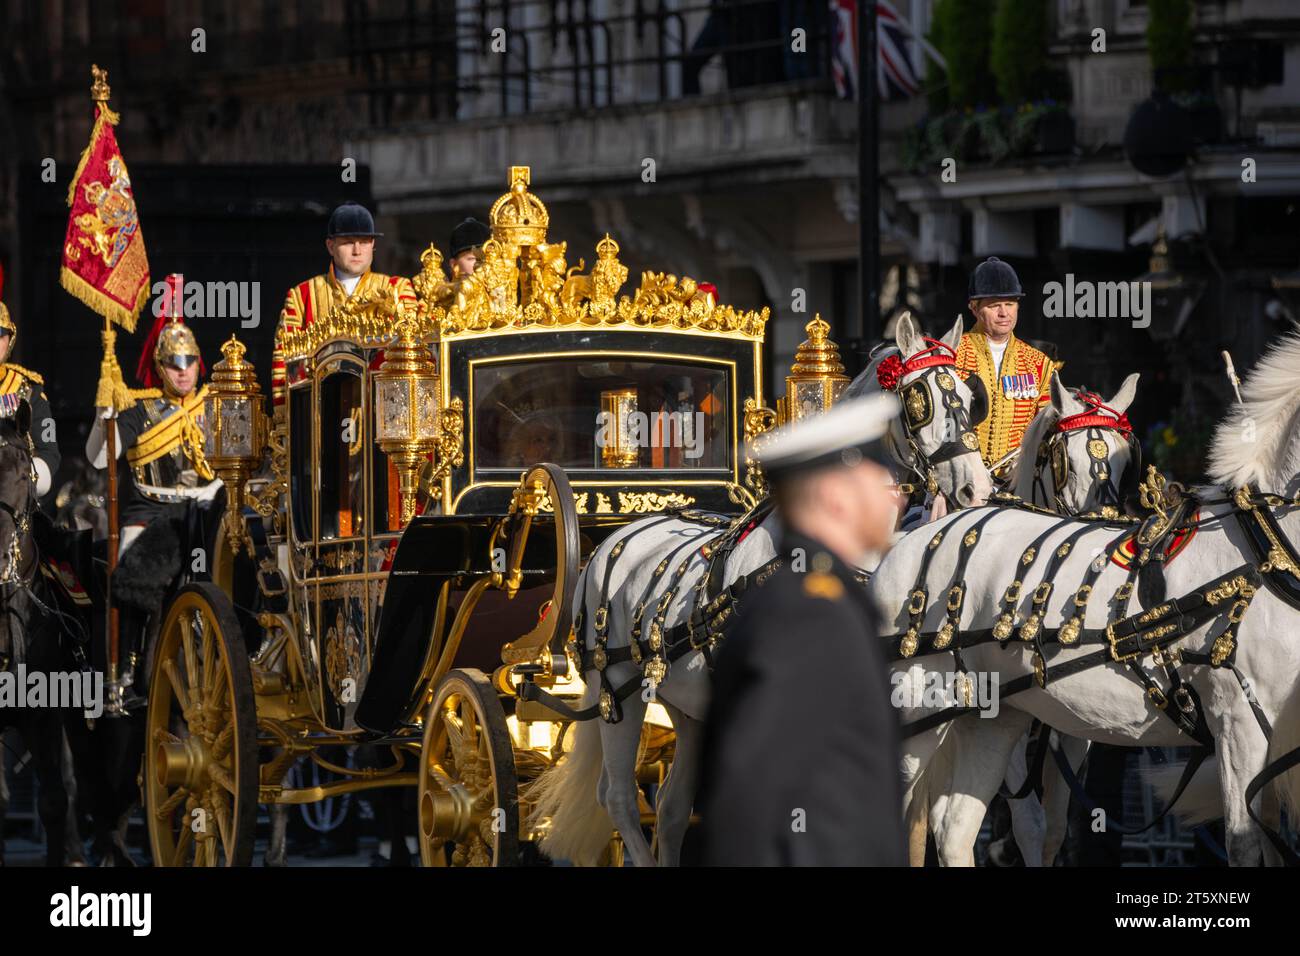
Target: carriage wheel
(200, 772)
(469, 796)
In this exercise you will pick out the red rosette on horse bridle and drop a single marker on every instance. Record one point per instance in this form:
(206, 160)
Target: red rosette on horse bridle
(891, 369)
(889, 372)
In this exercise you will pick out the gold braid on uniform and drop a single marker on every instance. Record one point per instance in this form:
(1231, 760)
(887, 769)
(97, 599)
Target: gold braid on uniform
(9, 368)
(178, 428)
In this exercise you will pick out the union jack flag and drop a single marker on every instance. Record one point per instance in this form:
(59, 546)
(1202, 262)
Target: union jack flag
(897, 77)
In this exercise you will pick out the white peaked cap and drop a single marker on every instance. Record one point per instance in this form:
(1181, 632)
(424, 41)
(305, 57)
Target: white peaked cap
(845, 435)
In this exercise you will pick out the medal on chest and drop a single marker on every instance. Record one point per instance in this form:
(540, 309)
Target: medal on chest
(1022, 386)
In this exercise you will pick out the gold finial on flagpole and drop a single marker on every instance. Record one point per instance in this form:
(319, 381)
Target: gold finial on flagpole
(99, 91)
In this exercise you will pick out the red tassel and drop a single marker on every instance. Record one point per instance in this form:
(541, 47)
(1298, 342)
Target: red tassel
(144, 370)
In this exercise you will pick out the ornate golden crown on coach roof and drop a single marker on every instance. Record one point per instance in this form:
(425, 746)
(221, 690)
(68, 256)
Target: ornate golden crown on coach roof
(523, 282)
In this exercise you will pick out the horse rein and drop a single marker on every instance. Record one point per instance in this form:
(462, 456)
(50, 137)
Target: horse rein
(918, 407)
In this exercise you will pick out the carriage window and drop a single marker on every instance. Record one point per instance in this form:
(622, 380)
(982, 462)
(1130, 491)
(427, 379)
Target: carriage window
(343, 440)
(302, 416)
(604, 415)
(385, 499)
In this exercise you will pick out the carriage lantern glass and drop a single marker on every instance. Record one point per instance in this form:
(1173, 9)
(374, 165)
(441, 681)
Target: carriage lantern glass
(817, 378)
(235, 425)
(621, 449)
(406, 406)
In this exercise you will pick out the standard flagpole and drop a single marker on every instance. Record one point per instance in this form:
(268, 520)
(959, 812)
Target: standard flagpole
(110, 448)
(114, 283)
(868, 172)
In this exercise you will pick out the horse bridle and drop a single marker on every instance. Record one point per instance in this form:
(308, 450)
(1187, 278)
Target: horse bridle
(1095, 419)
(918, 407)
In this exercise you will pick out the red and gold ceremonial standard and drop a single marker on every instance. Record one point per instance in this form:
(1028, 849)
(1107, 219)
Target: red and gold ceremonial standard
(105, 266)
(104, 261)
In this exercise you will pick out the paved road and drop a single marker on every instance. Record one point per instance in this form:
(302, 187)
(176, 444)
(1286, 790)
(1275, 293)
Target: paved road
(20, 852)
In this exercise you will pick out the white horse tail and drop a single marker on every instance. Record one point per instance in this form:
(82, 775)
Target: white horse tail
(579, 828)
(918, 820)
(1286, 737)
(1201, 802)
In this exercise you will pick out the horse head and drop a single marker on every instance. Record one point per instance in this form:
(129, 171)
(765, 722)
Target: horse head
(1084, 455)
(933, 436)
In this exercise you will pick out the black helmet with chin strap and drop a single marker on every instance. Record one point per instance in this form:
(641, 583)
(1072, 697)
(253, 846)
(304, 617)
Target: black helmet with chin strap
(994, 278)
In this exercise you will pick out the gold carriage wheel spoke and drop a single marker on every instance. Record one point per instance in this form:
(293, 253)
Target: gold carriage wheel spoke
(220, 775)
(209, 653)
(192, 642)
(222, 812)
(187, 646)
(455, 736)
(438, 743)
(183, 839)
(162, 735)
(171, 803)
(440, 776)
(217, 701)
(178, 687)
(208, 848)
(469, 722)
(221, 746)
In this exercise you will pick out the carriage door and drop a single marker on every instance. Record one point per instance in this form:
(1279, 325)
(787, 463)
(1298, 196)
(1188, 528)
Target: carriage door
(342, 452)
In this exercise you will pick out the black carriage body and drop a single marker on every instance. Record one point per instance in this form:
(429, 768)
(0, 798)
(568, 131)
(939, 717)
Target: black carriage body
(533, 396)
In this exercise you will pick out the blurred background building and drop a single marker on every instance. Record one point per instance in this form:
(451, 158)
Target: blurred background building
(711, 138)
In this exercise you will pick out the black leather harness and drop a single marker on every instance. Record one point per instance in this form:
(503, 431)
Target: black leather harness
(1130, 638)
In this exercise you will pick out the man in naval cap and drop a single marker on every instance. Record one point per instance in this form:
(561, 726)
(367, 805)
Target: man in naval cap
(801, 753)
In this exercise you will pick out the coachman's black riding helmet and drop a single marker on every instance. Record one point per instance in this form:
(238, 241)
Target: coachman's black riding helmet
(469, 234)
(351, 219)
(994, 278)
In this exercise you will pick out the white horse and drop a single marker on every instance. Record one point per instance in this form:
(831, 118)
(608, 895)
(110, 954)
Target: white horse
(593, 791)
(1259, 444)
(1087, 484)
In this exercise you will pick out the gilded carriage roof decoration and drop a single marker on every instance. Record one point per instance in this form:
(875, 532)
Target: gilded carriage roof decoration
(524, 281)
(367, 319)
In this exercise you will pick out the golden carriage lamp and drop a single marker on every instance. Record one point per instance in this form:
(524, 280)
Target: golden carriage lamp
(406, 406)
(620, 449)
(816, 379)
(236, 428)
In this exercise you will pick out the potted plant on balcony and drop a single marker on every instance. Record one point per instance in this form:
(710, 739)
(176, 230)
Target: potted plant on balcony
(1169, 37)
(1040, 123)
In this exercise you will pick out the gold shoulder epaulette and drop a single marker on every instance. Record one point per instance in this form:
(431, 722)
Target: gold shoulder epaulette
(27, 373)
(139, 393)
(819, 584)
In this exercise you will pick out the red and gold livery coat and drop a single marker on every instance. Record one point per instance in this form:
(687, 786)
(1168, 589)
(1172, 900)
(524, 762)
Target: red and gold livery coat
(1016, 391)
(312, 300)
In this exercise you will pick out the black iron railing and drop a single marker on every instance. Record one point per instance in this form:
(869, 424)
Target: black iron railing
(552, 47)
